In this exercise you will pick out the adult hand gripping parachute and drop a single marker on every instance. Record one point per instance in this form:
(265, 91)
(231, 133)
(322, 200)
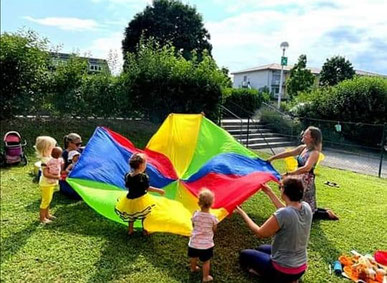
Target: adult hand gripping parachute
(188, 152)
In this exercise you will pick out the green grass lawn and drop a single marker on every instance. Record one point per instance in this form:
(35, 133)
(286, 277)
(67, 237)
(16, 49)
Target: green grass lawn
(82, 246)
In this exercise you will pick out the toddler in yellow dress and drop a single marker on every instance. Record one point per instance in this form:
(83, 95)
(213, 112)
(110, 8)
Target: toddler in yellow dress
(137, 204)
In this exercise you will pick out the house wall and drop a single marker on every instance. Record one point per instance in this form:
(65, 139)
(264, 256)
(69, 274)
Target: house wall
(257, 79)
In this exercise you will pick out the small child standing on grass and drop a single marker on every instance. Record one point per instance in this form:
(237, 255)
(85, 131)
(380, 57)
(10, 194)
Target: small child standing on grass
(44, 146)
(201, 243)
(137, 204)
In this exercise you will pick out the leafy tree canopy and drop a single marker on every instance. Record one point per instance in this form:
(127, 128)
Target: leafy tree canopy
(335, 70)
(23, 63)
(168, 22)
(161, 82)
(301, 79)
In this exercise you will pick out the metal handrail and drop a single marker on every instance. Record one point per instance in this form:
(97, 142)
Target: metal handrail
(248, 126)
(232, 113)
(236, 116)
(240, 107)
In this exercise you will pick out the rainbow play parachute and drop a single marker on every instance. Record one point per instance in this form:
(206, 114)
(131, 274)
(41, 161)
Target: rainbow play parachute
(188, 152)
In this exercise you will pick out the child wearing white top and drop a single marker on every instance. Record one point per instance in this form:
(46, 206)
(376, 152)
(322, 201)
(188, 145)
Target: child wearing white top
(201, 243)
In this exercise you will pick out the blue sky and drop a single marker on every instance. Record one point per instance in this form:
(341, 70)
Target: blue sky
(244, 33)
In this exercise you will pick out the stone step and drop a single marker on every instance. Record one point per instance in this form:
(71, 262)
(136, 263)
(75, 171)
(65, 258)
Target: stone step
(251, 131)
(272, 145)
(230, 121)
(258, 135)
(244, 126)
(264, 140)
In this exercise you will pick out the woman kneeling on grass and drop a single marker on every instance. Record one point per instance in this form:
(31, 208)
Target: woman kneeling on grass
(286, 259)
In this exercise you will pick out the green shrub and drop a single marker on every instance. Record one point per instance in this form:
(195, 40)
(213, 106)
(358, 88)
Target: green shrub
(242, 101)
(139, 132)
(161, 82)
(23, 64)
(281, 124)
(362, 99)
(66, 86)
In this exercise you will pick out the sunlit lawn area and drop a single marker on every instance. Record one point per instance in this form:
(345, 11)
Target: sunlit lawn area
(82, 246)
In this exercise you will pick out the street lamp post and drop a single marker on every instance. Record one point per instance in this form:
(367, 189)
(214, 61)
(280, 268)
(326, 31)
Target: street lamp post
(284, 61)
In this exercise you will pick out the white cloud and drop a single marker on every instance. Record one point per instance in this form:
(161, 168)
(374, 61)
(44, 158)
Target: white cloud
(65, 23)
(253, 38)
(117, 5)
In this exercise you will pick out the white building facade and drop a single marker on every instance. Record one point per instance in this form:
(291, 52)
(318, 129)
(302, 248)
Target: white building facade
(268, 76)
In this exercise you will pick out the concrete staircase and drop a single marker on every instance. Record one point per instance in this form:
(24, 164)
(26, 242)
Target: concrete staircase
(259, 135)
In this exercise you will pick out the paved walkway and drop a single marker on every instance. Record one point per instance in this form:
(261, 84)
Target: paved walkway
(361, 163)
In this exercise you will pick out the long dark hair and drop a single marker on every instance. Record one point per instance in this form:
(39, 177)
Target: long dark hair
(316, 135)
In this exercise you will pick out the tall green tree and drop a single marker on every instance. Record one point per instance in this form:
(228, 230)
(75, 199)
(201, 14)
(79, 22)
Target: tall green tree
(172, 22)
(23, 66)
(161, 82)
(335, 70)
(66, 85)
(301, 79)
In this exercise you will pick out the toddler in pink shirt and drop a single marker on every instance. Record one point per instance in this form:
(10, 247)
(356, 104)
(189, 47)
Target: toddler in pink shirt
(201, 242)
(55, 164)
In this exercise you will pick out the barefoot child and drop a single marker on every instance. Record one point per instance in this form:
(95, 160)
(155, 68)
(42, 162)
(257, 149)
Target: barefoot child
(201, 243)
(137, 204)
(44, 146)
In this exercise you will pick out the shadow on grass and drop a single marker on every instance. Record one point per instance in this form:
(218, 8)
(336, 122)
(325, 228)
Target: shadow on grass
(12, 244)
(232, 237)
(58, 199)
(122, 256)
(321, 244)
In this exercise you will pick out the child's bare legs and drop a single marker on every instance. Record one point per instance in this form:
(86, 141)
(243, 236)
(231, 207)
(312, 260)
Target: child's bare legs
(42, 214)
(206, 271)
(194, 264)
(130, 228)
(48, 215)
(144, 232)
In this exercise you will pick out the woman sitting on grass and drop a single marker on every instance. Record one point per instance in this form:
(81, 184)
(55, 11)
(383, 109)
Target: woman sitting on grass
(71, 142)
(286, 259)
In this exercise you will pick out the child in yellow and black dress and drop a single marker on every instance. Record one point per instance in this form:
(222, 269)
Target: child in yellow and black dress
(137, 204)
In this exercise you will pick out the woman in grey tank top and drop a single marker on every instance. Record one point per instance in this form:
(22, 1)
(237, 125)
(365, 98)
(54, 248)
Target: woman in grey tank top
(286, 259)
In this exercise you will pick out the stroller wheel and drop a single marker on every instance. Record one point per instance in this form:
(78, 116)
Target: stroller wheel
(24, 160)
(2, 160)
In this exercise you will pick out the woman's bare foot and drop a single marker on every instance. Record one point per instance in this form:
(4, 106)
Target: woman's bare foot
(145, 233)
(331, 215)
(196, 269)
(208, 278)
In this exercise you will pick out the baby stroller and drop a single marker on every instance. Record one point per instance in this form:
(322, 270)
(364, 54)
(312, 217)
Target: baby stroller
(13, 150)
